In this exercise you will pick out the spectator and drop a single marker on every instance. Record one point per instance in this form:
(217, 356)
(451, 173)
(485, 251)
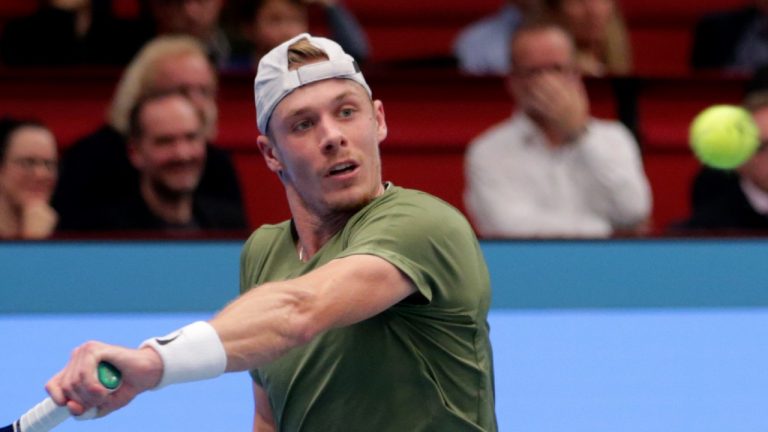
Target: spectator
(197, 18)
(264, 24)
(167, 148)
(551, 170)
(738, 199)
(598, 30)
(735, 40)
(96, 172)
(28, 170)
(70, 32)
(483, 47)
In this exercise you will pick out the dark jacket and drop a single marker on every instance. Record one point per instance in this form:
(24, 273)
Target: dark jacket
(96, 175)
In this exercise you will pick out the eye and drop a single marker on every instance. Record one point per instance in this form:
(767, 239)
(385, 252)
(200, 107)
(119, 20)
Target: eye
(346, 112)
(302, 125)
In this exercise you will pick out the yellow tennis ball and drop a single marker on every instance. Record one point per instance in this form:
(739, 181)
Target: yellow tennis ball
(724, 136)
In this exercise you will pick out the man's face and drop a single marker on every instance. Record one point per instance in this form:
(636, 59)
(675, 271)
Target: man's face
(170, 154)
(192, 75)
(756, 168)
(276, 21)
(28, 173)
(536, 55)
(325, 143)
(198, 18)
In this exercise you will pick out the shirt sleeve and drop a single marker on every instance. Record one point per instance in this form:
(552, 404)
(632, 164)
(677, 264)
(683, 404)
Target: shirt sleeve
(431, 243)
(614, 174)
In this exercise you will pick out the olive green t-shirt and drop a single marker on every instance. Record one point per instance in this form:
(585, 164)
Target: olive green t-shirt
(424, 364)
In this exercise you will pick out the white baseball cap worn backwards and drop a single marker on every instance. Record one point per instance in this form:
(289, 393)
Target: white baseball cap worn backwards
(274, 80)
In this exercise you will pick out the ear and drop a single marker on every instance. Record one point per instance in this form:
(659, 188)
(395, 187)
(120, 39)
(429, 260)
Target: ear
(269, 153)
(134, 155)
(381, 121)
(510, 82)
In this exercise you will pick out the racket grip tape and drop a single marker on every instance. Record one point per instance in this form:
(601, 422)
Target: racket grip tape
(47, 415)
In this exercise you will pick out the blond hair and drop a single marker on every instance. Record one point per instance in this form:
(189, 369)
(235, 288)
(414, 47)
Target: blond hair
(302, 52)
(138, 79)
(617, 50)
(614, 52)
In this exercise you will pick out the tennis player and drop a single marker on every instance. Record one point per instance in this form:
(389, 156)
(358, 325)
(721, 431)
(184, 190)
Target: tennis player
(366, 311)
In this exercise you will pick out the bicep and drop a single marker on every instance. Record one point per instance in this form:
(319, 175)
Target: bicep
(354, 288)
(262, 419)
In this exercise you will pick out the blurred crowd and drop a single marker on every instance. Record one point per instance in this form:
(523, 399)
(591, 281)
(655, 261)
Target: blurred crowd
(550, 170)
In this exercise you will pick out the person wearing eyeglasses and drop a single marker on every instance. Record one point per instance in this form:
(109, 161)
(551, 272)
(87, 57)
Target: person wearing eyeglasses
(552, 170)
(28, 174)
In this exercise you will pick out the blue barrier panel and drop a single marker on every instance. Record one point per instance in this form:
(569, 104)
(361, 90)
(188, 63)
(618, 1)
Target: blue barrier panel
(77, 277)
(179, 276)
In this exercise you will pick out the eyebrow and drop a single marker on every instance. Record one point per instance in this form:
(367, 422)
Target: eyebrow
(343, 95)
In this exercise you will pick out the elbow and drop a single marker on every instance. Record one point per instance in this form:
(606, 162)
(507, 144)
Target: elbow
(634, 212)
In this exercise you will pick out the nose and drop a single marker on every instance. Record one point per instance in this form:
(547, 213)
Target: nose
(41, 170)
(332, 137)
(185, 150)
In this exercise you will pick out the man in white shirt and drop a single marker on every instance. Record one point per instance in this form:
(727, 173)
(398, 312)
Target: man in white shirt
(551, 170)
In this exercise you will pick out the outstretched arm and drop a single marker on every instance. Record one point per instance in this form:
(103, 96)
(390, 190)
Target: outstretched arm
(270, 319)
(255, 329)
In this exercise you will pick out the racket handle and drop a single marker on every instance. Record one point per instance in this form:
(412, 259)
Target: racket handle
(47, 415)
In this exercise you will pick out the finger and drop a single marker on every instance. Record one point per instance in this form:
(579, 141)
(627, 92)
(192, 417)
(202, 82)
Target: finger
(53, 387)
(75, 408)
(79, 380)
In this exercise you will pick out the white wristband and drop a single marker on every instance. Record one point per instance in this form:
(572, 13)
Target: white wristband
(192, 353)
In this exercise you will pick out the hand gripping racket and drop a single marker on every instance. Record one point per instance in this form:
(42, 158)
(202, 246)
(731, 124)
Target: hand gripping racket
(47, 415)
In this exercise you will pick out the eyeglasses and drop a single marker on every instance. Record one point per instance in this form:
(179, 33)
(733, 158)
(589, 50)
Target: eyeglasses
(30, 163)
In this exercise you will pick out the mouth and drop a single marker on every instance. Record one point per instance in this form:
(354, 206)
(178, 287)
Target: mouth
(342, 168)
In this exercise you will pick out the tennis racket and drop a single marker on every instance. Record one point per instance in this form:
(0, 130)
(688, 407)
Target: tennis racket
(47, 415)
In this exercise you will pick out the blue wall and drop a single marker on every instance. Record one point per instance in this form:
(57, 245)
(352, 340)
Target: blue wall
(180, 276)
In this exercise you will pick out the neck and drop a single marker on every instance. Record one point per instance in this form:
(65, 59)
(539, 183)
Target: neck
(83, 18)
(315, 229)
(175, 209)
(10, 219)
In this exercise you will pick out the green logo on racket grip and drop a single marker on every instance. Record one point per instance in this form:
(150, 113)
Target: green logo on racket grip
(109, 376)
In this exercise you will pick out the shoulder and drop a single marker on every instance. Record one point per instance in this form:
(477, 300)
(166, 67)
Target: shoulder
(491, 27)
(610, 127)
(103, 141)
(215, 212)
(408, 212)
(266, 235)
(499, 134)
(737, 17)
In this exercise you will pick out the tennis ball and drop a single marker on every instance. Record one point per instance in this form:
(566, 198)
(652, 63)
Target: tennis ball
(724, 136)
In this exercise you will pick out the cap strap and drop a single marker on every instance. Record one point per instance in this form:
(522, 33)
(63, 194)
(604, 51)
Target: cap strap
(319, 71)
